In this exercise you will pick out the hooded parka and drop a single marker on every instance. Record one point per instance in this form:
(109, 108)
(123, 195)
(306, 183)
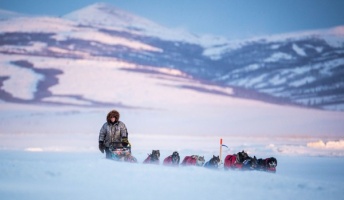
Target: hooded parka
(112, 134)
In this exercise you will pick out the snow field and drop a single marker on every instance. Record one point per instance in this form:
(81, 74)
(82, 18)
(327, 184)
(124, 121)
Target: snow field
(46, 175)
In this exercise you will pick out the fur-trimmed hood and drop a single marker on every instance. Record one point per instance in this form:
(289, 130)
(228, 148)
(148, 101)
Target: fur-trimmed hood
(112, 113)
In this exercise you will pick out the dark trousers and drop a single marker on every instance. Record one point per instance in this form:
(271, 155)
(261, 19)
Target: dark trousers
(107, 153)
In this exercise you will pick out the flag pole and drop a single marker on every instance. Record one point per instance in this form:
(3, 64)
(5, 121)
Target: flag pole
(220, 148)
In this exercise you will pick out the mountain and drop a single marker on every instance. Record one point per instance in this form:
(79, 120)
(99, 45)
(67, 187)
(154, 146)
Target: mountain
(5, 14)
(103, 15)
(303, 69)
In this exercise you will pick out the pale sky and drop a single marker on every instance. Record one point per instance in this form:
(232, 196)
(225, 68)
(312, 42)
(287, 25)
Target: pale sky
(230, 18)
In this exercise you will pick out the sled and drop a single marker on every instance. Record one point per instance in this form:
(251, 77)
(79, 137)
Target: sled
(123, 154)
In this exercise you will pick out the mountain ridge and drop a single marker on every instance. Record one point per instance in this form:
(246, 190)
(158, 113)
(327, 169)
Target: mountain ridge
(303, 68)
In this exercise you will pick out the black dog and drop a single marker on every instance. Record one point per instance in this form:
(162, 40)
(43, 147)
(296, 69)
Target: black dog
(213, 162)
(250, 163)
(267, 164)
(241, 156)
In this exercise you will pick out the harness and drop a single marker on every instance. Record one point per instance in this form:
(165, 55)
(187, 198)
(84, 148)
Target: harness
(233, 161)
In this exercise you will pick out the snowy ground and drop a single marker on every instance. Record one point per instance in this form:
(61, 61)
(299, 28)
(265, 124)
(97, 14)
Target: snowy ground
(51, 153)
(56, 170)
(46, 175)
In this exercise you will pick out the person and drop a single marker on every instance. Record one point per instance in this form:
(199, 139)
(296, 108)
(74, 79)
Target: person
(113, 134)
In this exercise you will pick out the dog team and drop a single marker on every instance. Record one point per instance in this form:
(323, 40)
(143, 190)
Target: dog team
(239, 161)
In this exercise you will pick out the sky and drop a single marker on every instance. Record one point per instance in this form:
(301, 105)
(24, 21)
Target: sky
(234, 19)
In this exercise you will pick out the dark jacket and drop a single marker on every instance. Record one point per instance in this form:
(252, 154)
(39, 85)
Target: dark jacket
(111, 134)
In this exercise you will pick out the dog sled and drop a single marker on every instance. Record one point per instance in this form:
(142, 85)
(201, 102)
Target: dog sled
(122, 154)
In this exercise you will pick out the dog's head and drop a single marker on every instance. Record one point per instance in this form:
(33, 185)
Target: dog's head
(155, 155)
(241, 156)
(271, 164)
(200, 161)
(215, 160)
(175, 157)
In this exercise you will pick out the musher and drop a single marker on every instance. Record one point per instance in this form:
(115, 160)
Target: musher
(113, 134)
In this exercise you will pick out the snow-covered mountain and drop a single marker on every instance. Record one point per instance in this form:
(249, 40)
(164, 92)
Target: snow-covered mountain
(106, 16)
(303, 69)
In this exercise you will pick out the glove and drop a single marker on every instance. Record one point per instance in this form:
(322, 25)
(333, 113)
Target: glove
(101, 146)
(125, 142)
